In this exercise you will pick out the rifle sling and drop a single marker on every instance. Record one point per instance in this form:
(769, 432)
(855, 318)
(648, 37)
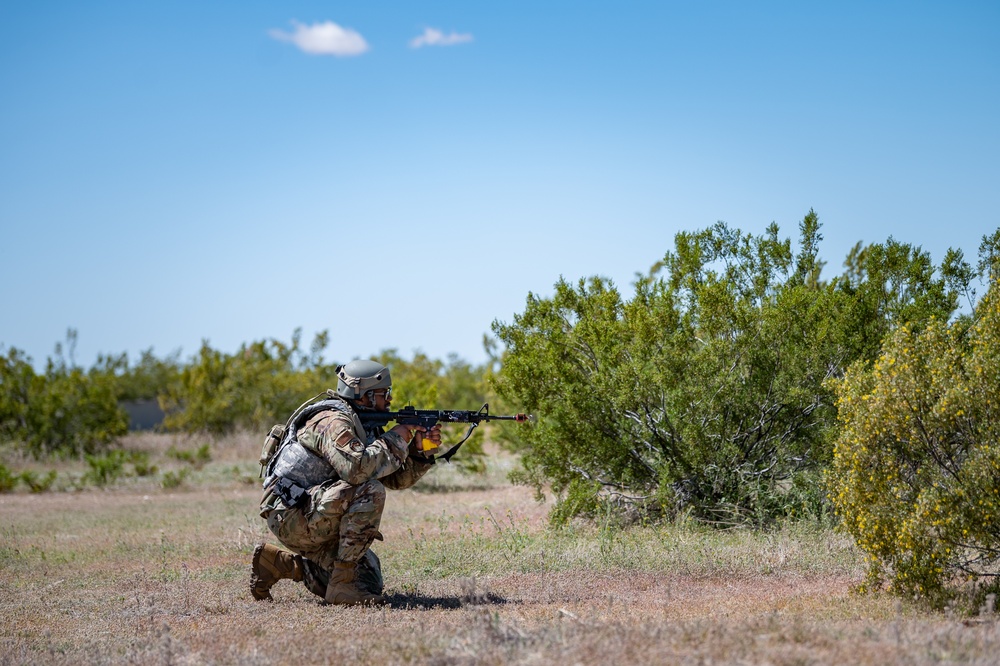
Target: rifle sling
(446, 456)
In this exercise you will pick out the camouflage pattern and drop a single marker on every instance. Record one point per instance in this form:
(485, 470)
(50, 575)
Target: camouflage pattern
(356, 456)
(342, 515)
(338, 523)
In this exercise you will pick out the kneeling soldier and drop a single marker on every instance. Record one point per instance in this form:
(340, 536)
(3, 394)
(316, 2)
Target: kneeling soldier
(325, 486)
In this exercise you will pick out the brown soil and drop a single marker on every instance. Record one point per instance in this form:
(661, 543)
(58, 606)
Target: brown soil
(151, 577)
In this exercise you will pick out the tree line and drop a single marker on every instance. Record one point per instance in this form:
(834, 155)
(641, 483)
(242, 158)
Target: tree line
(66, 410)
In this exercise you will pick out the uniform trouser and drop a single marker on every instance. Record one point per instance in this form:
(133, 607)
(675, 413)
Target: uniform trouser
(338, 523)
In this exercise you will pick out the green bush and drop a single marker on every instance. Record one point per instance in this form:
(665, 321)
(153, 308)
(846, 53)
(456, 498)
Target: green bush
(704, 392)
(36, 483)
(197, 458)
(68, 411)
(65, 411)
(18, 383)
(174, 479)
(75, 413)
(259, 385)
(105, 468)
(148, 378)
(141, 465)
(8, 480)
(892, 283)
(915, 477)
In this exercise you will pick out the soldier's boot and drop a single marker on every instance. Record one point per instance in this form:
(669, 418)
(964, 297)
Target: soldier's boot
(314, 577)
(344, 589)
(269, 565)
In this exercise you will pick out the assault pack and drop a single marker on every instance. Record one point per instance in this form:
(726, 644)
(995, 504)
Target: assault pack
(277, 435)
(287, 467)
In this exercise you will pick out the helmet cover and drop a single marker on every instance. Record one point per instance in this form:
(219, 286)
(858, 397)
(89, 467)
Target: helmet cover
(356, 378)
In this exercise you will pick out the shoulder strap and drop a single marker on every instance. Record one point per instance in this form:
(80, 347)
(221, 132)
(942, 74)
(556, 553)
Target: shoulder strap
(326, 400)
(328, 394)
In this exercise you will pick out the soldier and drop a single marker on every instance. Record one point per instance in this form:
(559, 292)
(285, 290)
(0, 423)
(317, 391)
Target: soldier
(325, 490)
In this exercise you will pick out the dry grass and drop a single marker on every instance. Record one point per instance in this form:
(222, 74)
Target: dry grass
(139, 574)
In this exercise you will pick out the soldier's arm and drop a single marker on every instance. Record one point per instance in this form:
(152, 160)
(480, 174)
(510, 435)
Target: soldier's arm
(418, 462)
(409, 473)
(332, 435)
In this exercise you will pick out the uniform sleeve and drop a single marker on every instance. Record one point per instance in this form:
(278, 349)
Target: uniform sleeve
(332, 435)
(408, 474)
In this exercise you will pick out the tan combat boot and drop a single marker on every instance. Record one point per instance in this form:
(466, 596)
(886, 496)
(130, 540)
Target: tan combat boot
(344, 590)
(269, 565)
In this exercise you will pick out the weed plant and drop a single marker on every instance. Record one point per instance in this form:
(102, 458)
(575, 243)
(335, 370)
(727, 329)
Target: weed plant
(8, 480)
(38, 483)
(197, 458)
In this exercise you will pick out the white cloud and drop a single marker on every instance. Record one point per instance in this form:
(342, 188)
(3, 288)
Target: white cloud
(434, 37)
(325, 38)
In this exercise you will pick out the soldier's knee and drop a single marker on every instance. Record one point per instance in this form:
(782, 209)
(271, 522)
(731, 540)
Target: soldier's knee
(376, 491)
(369, 496)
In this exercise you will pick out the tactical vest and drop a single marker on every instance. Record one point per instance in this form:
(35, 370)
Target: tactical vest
(292, 469)
(296, 463)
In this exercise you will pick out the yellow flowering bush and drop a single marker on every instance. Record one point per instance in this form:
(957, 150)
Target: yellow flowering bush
(915, 477)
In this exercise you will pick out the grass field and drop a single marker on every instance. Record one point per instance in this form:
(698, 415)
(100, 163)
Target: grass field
(136, 573)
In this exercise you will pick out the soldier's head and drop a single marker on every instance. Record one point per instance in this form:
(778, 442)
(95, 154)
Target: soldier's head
(366, 383)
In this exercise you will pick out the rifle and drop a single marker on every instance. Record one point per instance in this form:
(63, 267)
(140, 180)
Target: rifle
(429, 417)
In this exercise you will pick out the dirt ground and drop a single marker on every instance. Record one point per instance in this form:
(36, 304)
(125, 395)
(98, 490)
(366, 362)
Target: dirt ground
(474, 575)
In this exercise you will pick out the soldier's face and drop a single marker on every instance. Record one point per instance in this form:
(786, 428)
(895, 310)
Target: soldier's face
(381, 400)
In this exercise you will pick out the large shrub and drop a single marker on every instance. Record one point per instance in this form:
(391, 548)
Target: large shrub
(17, 383)
(259, 385)
(705, 391)
(916, 470)
(65, 410)
(146, 379)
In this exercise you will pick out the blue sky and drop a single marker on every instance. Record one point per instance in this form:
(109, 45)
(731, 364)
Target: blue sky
(404, 173)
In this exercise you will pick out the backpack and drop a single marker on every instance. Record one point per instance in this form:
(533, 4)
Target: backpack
(276, 436)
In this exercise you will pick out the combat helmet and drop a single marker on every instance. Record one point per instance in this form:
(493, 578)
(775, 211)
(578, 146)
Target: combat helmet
(357, 378)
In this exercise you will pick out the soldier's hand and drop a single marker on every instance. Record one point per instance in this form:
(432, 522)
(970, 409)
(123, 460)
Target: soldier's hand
(428, 440)
(406, 431)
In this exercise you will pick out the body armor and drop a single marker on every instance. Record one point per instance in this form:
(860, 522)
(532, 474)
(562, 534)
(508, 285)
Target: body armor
(294, 469)
(301, 466)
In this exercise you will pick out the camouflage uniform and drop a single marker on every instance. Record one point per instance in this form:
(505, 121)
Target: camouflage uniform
(341, 516)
